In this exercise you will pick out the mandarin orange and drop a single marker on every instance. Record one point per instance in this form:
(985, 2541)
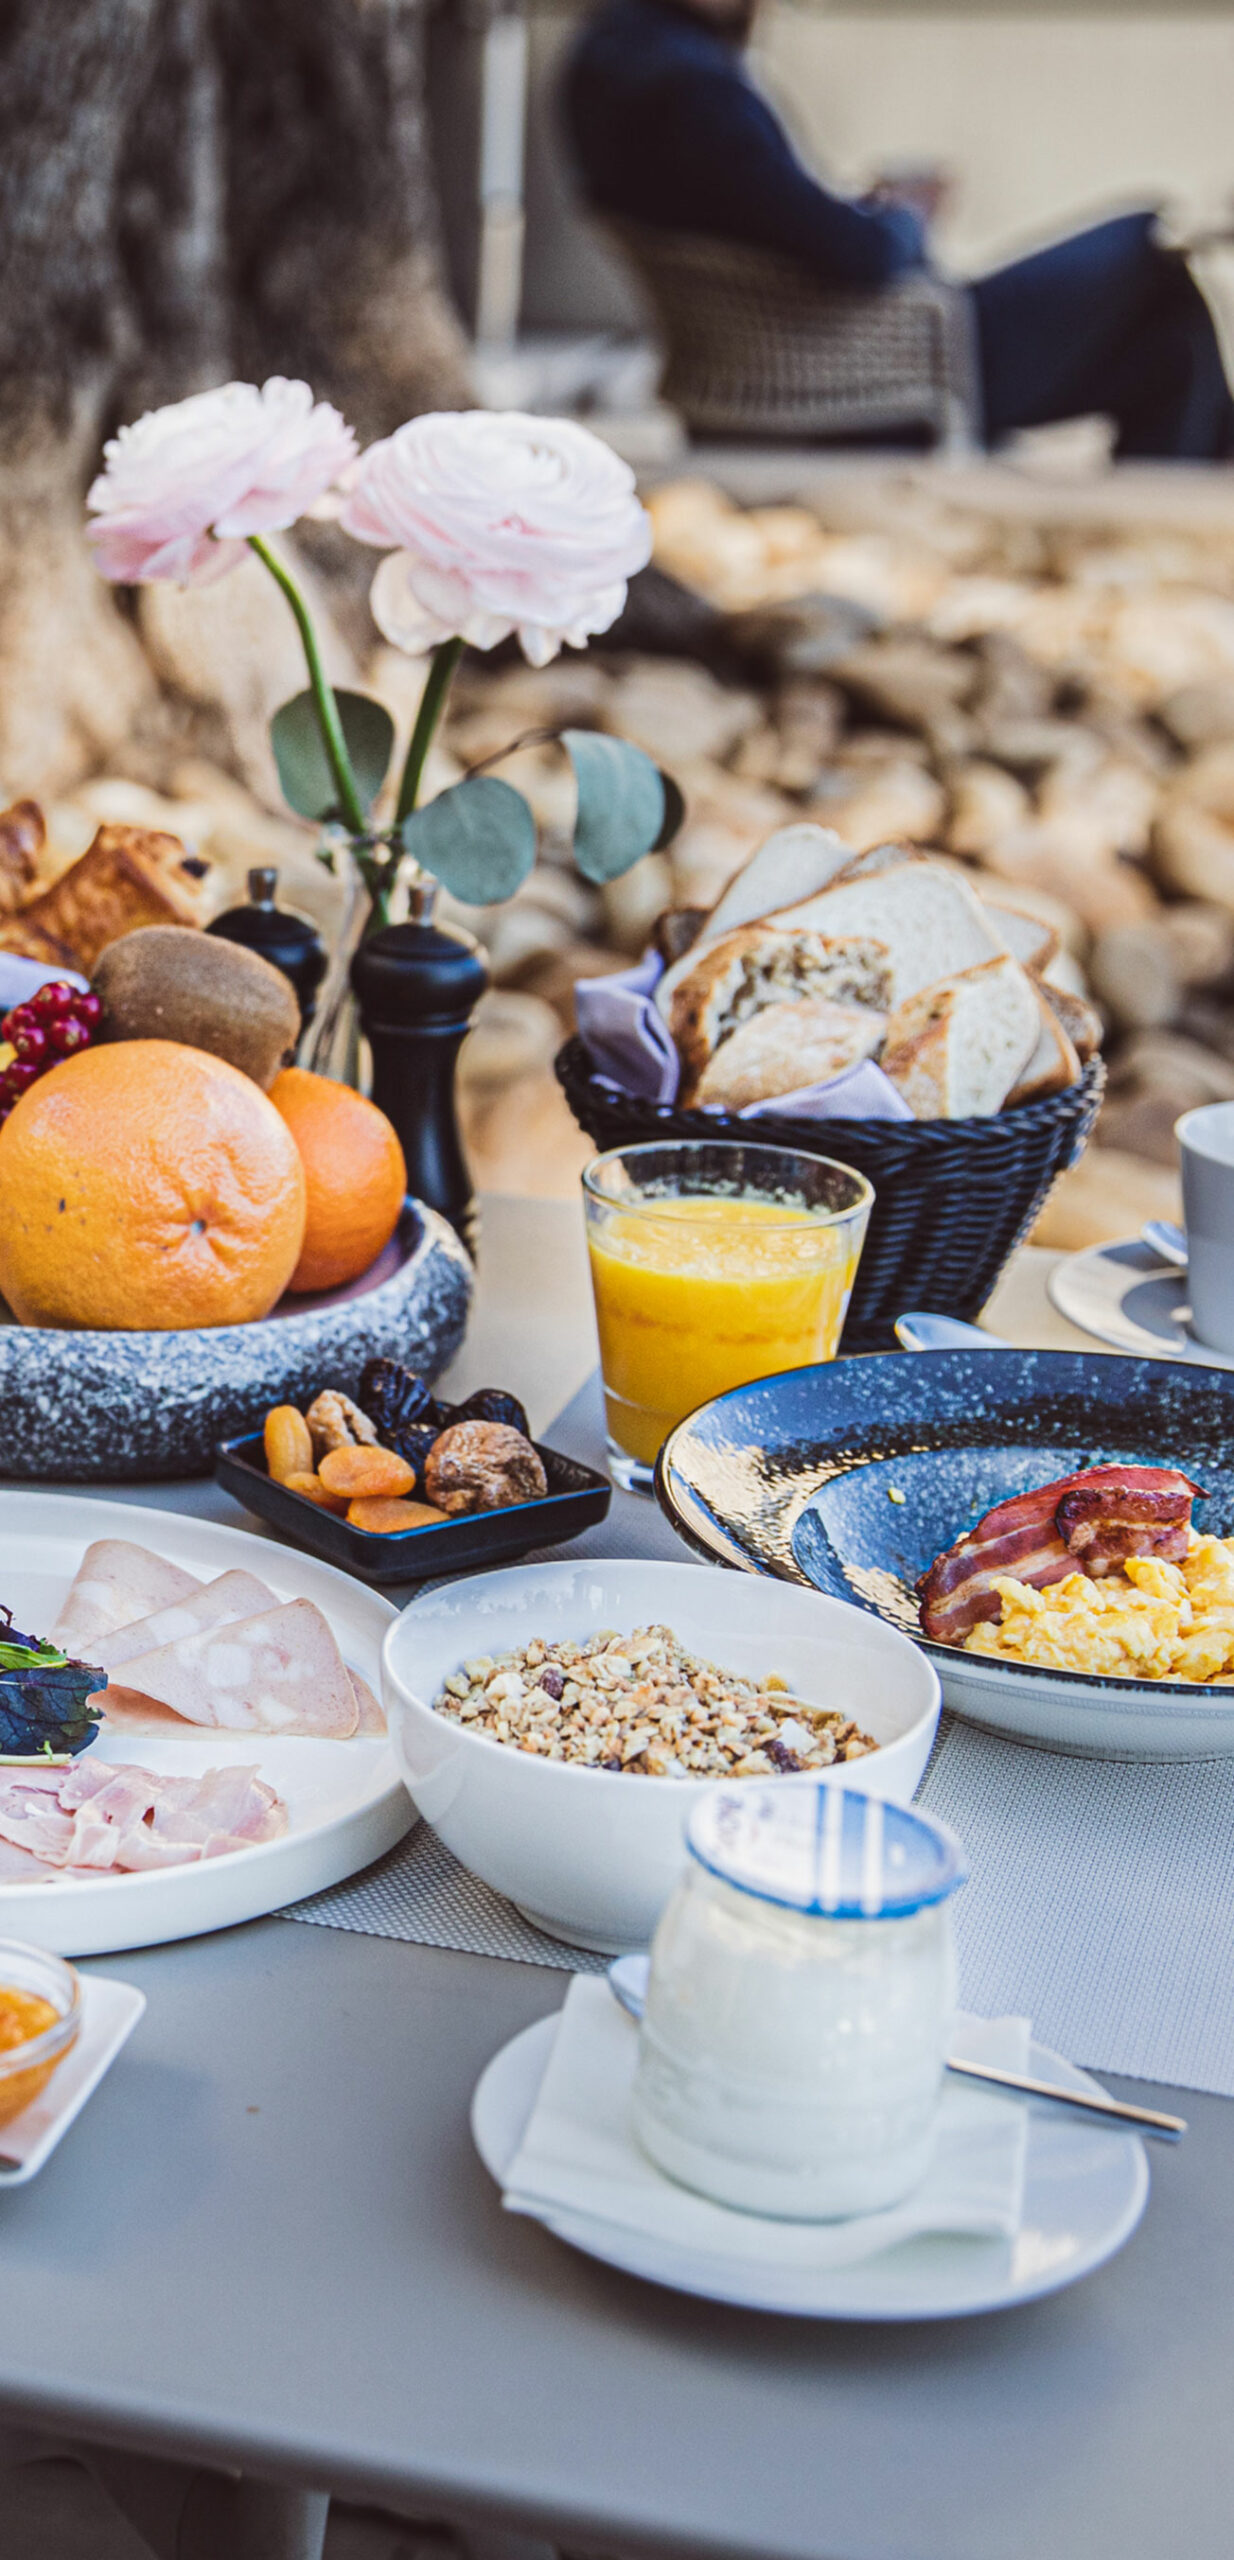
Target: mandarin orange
(354, 1172)
(148, 1186)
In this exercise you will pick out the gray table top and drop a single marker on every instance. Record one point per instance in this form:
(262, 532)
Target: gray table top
(269, 2242)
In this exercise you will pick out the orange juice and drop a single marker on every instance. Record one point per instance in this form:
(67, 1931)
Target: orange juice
(694, 1295)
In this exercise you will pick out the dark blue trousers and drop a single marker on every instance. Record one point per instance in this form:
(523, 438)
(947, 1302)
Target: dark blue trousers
(1106, 321)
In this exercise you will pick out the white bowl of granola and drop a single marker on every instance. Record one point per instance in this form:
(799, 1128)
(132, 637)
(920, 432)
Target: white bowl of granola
(573, 1804)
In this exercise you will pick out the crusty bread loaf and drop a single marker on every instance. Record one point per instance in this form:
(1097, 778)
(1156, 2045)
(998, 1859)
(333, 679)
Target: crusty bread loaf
(756, 967)
(787, 1046)
(955, 1049)
(129, 876)
(933, 923)
(23, 835)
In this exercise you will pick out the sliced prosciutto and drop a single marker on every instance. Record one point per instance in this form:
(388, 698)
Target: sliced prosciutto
(97, 1818)
(1087, 1523)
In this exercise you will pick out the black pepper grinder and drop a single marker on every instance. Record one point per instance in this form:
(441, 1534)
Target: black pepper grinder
(290, 941)
(416, 986)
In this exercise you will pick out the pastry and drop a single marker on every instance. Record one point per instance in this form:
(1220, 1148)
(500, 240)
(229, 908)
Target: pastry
(129, 876)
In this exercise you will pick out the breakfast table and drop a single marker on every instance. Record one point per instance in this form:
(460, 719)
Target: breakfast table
(272, 2251)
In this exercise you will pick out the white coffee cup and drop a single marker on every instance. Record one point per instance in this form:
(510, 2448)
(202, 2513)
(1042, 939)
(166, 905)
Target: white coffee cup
(1206, 1145)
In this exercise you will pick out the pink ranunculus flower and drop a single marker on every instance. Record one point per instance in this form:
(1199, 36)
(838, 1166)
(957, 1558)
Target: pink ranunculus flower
(497, 523)
(182, 488)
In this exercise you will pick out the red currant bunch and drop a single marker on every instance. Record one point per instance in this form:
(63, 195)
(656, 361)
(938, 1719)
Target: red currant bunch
(50, 1025)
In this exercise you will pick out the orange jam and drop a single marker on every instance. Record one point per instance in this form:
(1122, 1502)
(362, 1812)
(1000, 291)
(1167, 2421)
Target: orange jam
(23, 2015)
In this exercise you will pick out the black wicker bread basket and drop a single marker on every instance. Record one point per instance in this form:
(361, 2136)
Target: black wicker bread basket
(952, 1198)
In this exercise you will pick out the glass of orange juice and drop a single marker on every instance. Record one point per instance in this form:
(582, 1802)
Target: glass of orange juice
(713, 1263)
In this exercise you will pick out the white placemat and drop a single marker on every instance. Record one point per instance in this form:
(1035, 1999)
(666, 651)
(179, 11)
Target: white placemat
(420, 1893)
(1100, 1900)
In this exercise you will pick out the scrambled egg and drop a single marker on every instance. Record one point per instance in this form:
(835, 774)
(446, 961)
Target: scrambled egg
(1152, 1621)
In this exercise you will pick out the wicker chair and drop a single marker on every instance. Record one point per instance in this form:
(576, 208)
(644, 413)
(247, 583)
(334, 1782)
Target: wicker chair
(755, 346)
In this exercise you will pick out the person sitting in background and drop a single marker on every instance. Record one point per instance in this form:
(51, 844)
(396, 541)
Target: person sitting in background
(669, 131)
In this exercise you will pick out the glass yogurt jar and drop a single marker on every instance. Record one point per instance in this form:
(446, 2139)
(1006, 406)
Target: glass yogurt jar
(800, 2002)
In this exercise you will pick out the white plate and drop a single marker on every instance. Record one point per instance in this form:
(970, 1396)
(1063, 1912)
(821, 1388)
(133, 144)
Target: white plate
(1123, 1294)
(1085, 2190)
(345, 1801)
(109, 2013)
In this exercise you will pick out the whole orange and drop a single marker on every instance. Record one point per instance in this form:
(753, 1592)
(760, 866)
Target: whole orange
(147, 1185)
(354, 1173)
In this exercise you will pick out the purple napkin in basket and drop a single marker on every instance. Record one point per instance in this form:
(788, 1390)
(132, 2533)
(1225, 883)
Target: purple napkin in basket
(629, 1045)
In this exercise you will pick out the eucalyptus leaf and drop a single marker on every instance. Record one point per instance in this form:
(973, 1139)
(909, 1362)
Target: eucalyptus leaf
(303, 765)
(478, 839)
(674, 812)
(621, 803)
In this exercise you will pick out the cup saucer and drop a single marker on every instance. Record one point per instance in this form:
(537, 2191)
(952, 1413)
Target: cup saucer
(1124, 1294)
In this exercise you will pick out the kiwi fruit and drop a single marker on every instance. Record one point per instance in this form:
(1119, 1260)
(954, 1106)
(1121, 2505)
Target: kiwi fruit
(172, 982)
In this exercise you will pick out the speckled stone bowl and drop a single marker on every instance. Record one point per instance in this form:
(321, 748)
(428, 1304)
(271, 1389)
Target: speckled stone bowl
(130, 1407)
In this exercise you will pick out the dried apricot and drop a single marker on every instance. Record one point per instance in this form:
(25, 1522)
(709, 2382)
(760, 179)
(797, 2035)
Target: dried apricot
(289, 1443)
(384, 1516)
(359, 1470)
(314, 1490)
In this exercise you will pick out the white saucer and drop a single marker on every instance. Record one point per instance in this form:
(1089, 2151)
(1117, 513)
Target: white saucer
(1122, 1294)
(1085, 2190)
(109, 2013)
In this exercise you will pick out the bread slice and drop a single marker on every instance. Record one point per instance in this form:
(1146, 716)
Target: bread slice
(129, 876)
(793, 863)
(1078, 1018)
(933, 924)
(1033, 942)
(1053, 1064)
(954, 1050)
(757, 966)
(787, 1046)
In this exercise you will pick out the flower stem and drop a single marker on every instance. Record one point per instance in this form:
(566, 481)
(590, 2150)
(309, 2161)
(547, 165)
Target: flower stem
(432, 704)
(331, 726)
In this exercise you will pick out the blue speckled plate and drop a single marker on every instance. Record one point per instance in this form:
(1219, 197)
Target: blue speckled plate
(853, 1476)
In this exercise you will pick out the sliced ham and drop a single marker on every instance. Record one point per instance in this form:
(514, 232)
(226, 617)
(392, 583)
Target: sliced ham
(98, 1819)
(1086, 1523)
(231, 1595)
(372, 1717)
(279, 1672)
(115, 1583)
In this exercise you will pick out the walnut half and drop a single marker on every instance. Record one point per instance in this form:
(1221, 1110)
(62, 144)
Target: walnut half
(336, 1423)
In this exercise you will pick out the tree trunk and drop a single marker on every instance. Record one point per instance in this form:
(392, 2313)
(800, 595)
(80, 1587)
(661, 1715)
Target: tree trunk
(188, 189)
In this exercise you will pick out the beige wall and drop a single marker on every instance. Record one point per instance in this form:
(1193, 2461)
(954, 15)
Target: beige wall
(1045, 118)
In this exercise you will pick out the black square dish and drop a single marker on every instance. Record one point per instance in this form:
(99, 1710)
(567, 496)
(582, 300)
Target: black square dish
(577, 1497)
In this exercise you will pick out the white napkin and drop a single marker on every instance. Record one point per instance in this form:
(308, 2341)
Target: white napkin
(578, 2153)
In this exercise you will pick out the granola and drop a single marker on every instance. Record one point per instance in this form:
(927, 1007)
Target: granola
(643, 1704)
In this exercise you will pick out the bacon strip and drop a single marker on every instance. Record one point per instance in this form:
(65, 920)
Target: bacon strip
(1087, 1523)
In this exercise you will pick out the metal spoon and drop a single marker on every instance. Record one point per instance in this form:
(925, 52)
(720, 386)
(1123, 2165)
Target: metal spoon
(627, 1980)
(917, 1331)
(1165, 1239)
